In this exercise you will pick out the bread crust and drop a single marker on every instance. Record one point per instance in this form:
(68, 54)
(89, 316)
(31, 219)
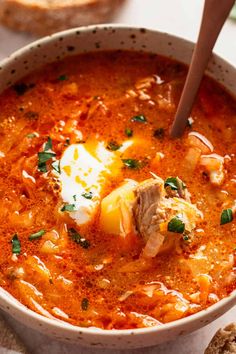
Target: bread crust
(43, 17)
(224, 341)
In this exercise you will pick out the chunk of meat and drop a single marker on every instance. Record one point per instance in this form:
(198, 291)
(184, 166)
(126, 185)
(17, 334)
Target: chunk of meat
(214, 165)
(154, 208)
(148, 212)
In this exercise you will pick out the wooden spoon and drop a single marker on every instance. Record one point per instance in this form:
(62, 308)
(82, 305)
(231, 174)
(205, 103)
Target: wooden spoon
(214, 16)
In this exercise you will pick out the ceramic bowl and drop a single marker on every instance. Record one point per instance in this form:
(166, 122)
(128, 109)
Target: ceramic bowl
(106, 37)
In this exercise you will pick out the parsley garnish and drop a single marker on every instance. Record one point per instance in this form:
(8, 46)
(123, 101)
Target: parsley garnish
(113, 146)
(85, 304)
(16, 246)
(37, 235)
(226, 216)
(141, 119)
(68, 207)
(48, 144)
(44, 156)
(56, 166)
(62, 77)
(129, 132)
(87, 195)
(185, 237)
(174, 183)
(76, 237)
(132, 163)
(176, 225)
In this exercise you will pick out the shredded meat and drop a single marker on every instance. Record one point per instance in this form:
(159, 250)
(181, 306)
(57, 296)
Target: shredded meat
(148, 213)
(154, 207)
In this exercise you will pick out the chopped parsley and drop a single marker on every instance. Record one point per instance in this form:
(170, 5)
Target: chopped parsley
(44, 156)
(172, 183)
(140, 118)
(56, 166)
(76, 237)
(175, 184)
(159, 133)
(113, 146)
(48, 144)
(62, 77)
(176, 225)
(37, 235)
(74, 197)
(85, 304)
(16, 246)
(87, 195)
(132, 163)
(129, 132)
(226, 216)
(185, 237)
(68, 207)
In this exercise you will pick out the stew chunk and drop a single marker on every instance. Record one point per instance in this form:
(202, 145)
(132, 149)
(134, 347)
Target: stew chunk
(160, 215)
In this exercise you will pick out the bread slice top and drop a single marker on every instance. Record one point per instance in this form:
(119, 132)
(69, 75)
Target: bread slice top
(224, 341)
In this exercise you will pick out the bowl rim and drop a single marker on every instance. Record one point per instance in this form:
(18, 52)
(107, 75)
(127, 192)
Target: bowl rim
(60, 324)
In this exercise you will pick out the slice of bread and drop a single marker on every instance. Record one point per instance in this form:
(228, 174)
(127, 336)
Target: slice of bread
(224, 341)
(43, 17)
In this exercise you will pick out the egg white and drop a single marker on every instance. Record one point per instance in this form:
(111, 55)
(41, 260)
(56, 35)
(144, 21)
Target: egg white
(87, 168)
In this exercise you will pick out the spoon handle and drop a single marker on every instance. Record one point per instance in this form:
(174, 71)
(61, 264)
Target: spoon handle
(214, 15)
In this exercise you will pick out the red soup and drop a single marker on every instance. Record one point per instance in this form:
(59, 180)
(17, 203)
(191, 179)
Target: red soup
(105, 220)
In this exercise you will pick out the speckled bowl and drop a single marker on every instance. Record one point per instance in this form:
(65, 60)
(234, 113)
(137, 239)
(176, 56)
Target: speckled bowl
(98, 38)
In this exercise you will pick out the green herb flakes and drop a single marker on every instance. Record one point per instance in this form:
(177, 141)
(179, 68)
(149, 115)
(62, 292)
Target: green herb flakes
(185, 237)
(56, 166)
(76, 237)
(44, 156)
(113, 146)
(132, 163)
(226, 216)
(87, 195)
(172, 183)
(140, 118)
(175, 184)
(68, 207)
(176, 225)
(85, 304)
(62, 78)
(16, 246)
(37, 235)
(129, 132)
(48, 144)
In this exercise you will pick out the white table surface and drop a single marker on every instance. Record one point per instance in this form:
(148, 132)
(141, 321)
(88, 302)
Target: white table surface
(179, 17)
